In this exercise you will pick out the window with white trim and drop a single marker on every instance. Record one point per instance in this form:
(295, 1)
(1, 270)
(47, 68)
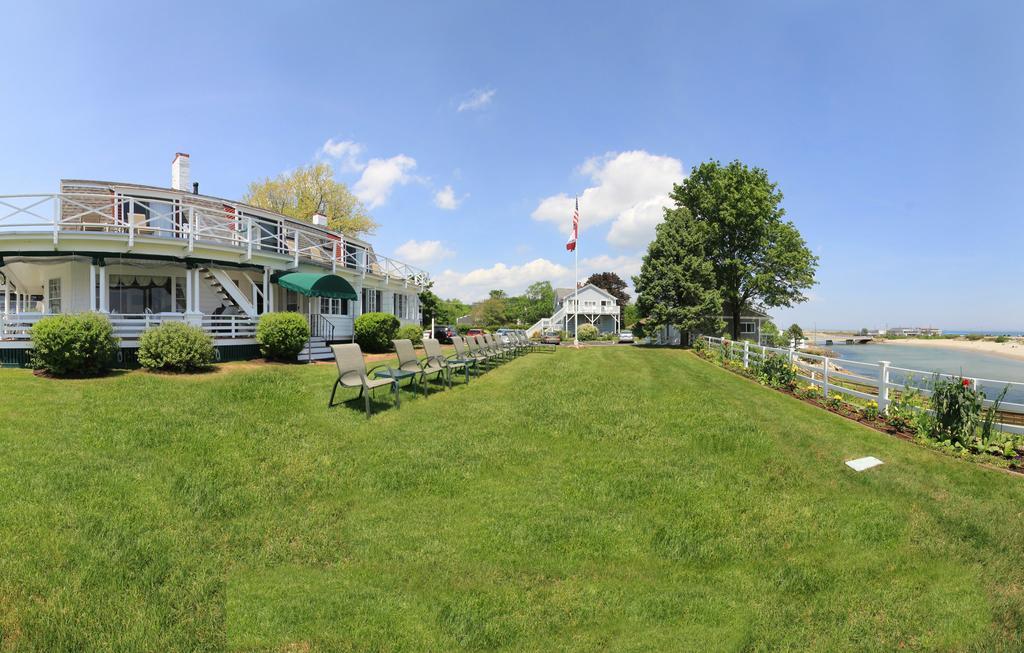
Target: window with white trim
(747, 327)
(53, 296)
(329, 306)
(401, 304)
(372, 300)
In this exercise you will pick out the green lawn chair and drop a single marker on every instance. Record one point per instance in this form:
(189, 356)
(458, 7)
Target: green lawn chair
(450, 363)
(486, 350)
(482, 357)
(352, 373)
(408, 361)
(464, 353)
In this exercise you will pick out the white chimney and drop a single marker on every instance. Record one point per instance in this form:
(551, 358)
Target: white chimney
(180, 177)
(320, 219)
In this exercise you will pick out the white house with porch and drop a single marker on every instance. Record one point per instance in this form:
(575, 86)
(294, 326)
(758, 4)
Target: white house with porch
(751, 323)
(590, 304)
(145, 255)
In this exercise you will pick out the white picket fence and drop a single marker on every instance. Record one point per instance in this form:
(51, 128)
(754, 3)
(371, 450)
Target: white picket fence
(874, 381)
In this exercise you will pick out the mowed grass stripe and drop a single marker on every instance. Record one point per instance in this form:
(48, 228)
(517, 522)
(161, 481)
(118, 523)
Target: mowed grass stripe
(621, 498)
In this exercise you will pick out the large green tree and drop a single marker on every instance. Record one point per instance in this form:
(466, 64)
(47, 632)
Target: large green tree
(430, 305)
(757, 257)
(676, 285)
(540, 301)
(309, 190)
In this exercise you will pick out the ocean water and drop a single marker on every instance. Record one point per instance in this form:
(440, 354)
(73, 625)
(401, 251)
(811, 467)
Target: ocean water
(941, 359)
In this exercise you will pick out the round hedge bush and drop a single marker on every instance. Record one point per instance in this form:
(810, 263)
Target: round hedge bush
(375, 331)
(282, 335)
(74, 345)
(586, 332)
(175, 347)
(411, 332)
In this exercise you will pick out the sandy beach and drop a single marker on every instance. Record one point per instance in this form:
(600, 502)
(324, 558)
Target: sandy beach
(1013, 348)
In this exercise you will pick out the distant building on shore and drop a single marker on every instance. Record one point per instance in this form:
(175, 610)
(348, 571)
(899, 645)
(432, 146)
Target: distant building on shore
(913, 331)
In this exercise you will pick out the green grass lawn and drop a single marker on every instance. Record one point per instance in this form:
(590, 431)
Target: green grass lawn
(609, 498)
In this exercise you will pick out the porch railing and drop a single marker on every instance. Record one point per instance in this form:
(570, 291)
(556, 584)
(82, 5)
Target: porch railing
(130, 327)
(190, 220)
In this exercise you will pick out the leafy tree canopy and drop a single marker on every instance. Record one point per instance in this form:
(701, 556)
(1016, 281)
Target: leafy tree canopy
(734, 222)
(676, 284)
(309, 190)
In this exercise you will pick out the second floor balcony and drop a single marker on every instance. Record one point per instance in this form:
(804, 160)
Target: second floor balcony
(190, 222)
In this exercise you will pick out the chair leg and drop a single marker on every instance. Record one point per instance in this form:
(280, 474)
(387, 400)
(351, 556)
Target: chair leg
(337, 382)
(366, 400)
(398, 394)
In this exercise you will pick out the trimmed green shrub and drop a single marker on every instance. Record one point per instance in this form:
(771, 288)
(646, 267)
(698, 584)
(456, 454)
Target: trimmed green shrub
(282, 335)
(74, 345)
(586, 332)
(175, 347)
(411, 332)
(375, 331)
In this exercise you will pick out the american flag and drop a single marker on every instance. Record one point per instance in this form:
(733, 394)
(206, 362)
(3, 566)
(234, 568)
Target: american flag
(571, 244)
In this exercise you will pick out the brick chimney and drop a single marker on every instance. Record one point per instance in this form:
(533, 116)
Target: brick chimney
(180, 177)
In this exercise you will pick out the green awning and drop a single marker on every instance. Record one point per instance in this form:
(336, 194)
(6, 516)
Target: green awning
(313, 284)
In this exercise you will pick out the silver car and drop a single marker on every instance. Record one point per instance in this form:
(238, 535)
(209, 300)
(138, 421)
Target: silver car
(625, 336)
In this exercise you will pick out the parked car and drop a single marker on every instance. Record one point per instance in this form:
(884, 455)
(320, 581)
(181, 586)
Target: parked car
(625, 336)
(551, 338)
(444, 333)
(475, 332)
(504, 334)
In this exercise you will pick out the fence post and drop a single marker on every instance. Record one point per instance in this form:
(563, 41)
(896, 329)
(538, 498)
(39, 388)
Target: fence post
(746, 354)
(883, 387)
(792, 356)
(824, 377)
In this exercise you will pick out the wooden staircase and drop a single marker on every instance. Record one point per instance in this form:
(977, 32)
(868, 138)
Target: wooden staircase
(316, 350)
(225, 299)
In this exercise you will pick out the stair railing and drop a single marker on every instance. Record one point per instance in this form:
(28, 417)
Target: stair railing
(321, 327)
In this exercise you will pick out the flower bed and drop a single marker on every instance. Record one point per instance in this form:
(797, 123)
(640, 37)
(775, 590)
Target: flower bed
(953, 422)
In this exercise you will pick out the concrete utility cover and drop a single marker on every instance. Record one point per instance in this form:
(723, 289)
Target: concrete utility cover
(861, 464)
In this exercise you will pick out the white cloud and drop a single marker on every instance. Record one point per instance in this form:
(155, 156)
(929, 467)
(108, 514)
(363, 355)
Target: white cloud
(446, 199)
(475, 284)
(477, 100)
(513, 279)
(346, 152)
(422, 252)
(629, 190)
(380, 176)
(624, 266)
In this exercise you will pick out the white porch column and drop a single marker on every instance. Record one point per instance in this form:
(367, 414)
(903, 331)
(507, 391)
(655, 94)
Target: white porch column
(104, 291)
(93, 299)
(266, 291)
(197, 304)
(189, 293)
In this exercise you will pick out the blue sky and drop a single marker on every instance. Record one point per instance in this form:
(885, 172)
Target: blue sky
(894, 129)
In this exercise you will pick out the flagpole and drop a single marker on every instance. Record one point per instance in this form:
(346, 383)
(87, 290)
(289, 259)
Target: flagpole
(576, 288)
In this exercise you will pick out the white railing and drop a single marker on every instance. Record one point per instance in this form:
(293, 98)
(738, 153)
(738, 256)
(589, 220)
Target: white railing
(874, 381)
(192, 219)
(130, 327)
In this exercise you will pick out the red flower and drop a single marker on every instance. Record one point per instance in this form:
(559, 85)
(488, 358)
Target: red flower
(966, 382)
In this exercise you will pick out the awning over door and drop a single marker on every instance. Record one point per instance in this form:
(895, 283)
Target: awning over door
(313, 284)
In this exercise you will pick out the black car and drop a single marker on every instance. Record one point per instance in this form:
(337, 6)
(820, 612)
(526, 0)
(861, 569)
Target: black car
(443, 334)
